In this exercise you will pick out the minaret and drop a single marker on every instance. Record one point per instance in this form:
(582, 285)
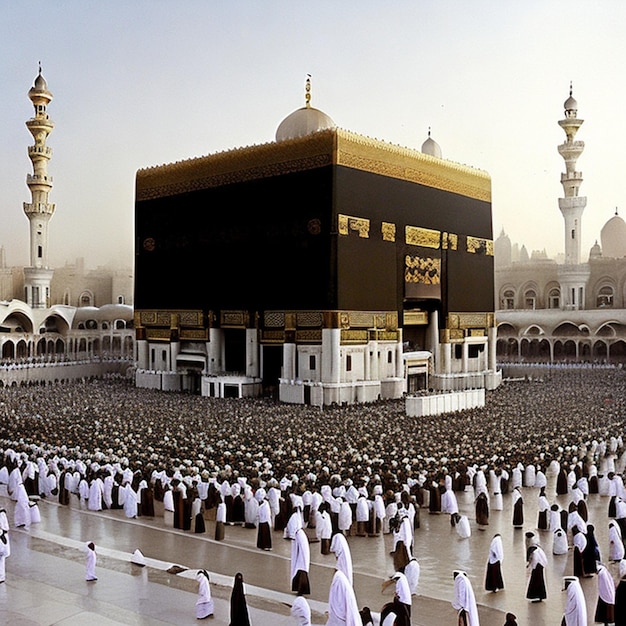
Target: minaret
(572, 205)
(573, 275)
(37, 277)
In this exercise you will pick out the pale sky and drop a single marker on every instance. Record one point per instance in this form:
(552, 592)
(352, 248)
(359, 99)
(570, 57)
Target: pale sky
(143, 82)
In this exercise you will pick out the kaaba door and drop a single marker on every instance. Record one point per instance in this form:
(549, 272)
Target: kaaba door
(272, 369)
(235, 350)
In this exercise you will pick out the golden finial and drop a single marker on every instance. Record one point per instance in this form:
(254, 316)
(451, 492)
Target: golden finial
(307, 96)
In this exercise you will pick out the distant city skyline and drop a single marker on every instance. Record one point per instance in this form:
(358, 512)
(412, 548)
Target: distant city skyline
(143, 83)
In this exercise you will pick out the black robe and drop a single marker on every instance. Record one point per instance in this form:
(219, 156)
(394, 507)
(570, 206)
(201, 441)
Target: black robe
(620, 603)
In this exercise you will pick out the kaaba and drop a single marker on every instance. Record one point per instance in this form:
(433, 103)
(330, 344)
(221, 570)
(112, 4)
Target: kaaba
(309, 267)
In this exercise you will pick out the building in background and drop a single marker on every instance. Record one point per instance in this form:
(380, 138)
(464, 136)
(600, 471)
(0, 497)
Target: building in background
(48, 317)
(570, 310)
(325, 267)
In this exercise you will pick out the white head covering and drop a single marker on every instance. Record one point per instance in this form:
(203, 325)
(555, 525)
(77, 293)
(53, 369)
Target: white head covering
(606, 586)
(301, 611)
(339, 545)
(575, 607)
(464, 597)
(342, 605)
(496, 552)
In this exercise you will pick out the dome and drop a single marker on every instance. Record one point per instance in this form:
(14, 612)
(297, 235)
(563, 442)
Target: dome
(40, 83)
(430, 146)
(570, 105)
(596, 251)
(613, 238)
(302, 122)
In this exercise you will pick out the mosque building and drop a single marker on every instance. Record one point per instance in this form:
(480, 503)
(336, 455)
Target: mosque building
(570, 310)
(323, 267)
(48, 317)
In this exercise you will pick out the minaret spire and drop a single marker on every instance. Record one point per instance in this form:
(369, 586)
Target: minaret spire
(307, 89)
(37, 277)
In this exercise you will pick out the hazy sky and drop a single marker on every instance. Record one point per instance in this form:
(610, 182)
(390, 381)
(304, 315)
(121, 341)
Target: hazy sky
(143, 82)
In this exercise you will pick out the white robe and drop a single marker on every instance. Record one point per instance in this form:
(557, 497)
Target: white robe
(559, 542)
(300, 553)
(339, 545)
(616, 545)
(130, 501)
(463, 527)
(21, 513)
(301, 611)
(204, 603)
(464, 598)
(343, 609)
(606, 586)
(94, 503)
(5, 551)
(90, 565)
(575, 606)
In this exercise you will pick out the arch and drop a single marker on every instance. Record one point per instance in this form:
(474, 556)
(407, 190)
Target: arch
(59, 346)
(120, 324)
(600, 350)
(41, 347)
(530, 299)
(534, 329)
(8, 350)
(566, 329)
(21, 349)
(55, 323)
(530, 295)
(507, 297)
(553, 295)
(18, 322)
(605, 296)
(617, 351)
(86, 298)
(506, 330)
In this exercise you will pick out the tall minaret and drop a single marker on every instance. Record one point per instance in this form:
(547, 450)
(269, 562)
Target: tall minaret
(573, 276)
(572, 205)
(37, 277)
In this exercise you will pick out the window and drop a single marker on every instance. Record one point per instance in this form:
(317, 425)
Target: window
(120, 299)
(530, 298)
(605, 297)
(554, 299)
(348, 363)
(312, 362)
(389, 357)
(39, 252)
(508, 299)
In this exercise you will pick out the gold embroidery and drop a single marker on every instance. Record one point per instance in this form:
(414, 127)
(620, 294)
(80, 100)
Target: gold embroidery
(425, 237)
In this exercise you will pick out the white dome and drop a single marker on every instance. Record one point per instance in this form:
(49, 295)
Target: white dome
(613, 238)
(302, 122)
(430, 146)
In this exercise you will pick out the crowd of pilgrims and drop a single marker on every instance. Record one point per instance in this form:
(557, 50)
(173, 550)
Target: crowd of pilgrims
(356, 470)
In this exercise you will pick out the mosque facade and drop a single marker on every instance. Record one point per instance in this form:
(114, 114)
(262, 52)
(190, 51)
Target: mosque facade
(323, 267)
(50, 317)
(571, 310)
